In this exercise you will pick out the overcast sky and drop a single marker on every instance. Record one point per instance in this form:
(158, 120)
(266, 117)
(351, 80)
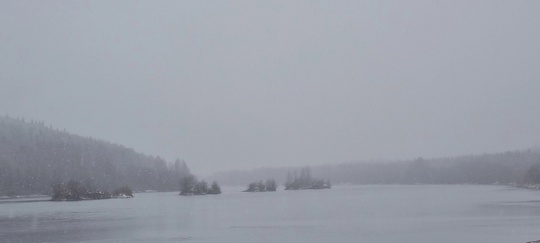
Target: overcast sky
(247, 84)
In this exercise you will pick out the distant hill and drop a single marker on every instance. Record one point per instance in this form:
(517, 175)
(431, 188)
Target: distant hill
(33, 157)
(497, 168)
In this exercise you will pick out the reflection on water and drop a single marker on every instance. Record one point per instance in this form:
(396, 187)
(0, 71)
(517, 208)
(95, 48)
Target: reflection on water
(343, 214)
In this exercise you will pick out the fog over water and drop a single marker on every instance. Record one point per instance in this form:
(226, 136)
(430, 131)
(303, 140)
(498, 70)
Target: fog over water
(240, 85)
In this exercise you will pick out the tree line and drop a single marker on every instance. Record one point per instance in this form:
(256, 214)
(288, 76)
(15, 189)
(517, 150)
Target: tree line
(74, 191)
(35, 157)
(497, 168)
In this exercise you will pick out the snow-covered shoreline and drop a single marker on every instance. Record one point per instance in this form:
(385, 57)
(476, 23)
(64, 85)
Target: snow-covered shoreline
(531, 186)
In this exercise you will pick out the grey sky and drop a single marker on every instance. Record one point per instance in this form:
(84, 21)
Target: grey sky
(246, 84)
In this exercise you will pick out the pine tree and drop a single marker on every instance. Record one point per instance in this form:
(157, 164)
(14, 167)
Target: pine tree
(214, 189)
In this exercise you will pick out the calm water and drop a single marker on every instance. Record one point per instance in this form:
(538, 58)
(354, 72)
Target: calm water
(446, 214)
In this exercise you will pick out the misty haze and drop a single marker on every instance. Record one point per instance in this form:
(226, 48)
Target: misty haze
(269, 121)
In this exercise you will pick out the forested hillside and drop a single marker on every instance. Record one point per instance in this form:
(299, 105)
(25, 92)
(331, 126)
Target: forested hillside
(498, 168)
(33, 157)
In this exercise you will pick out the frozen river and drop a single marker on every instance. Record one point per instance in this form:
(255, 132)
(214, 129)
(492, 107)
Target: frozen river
(382, 214)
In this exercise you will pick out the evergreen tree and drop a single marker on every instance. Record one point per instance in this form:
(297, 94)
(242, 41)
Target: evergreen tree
(187, 185)
(271, 185)
(214, 189)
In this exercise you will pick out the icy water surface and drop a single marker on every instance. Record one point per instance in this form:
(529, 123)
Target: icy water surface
(443, 214)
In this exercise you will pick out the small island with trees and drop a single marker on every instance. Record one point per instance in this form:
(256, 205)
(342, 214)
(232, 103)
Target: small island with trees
(269, 186)
(305, 181)
(190, 186)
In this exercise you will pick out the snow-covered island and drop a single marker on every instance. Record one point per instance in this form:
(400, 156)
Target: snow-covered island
(190, 186)
(305, 181)
(269, 186)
